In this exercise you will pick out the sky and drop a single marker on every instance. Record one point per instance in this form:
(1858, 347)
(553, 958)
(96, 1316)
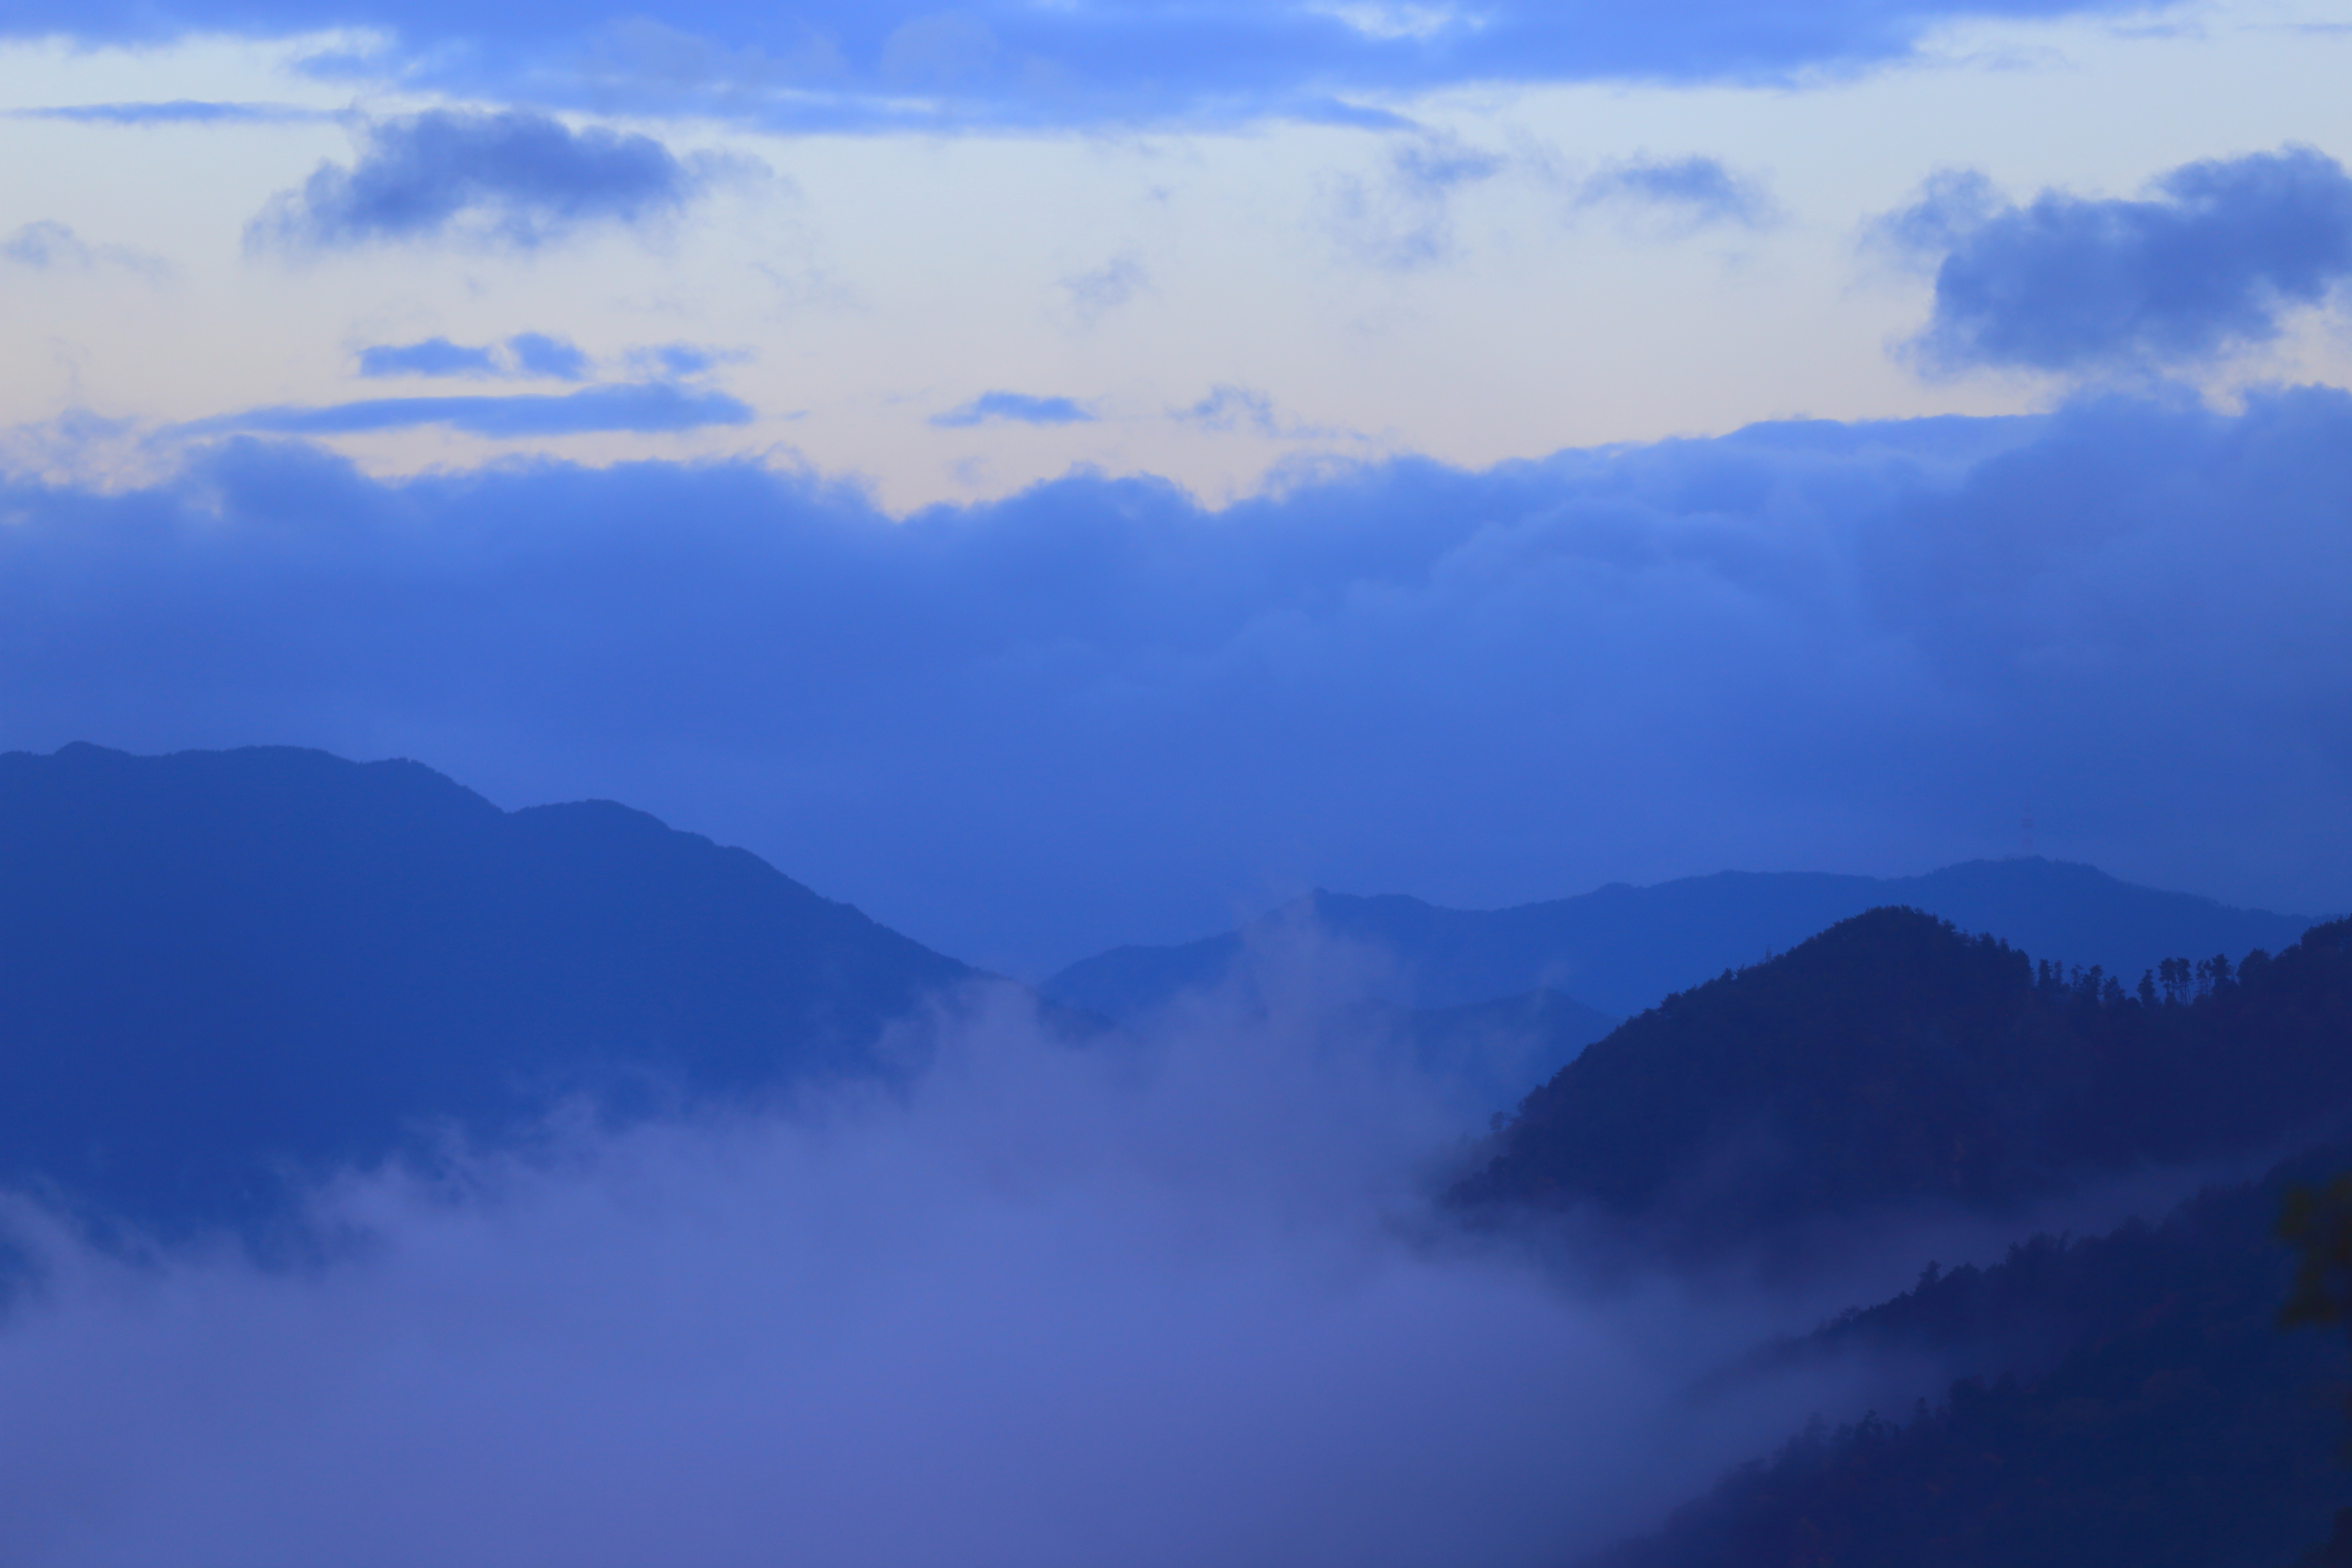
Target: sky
(1060, 474)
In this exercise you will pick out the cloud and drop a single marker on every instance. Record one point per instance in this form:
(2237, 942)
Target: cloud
(1032, 1312)
(1228, 407)
(176, 112)
(53, 246)
(1018, 408)
(644, 407)
(832, 64)
(434, 356)
(1107, 287)
(47, 243)
(2208, 264)
(1695, 191)
(517, 178)
(1403, 220)
(526, 355)
(682, 360)
(1100, 710)
(558, 359)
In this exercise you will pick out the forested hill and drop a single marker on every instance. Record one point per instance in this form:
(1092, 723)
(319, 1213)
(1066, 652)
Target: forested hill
(1891, 1060)
(218, 964)
(2129, 1402)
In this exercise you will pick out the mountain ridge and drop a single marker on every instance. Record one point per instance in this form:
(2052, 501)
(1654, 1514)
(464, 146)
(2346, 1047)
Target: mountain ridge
(1620, 948)
(222, 964)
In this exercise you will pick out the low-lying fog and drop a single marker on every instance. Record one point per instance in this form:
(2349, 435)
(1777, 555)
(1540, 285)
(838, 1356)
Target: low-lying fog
(1181, 1303)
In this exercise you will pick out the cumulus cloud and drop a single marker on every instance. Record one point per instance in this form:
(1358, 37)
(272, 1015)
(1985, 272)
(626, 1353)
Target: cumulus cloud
(1100, 711)
(1694, 191)
(517, 178)
(2210, 262)
(1017, 407)
(1165, 1305)
(644, 408)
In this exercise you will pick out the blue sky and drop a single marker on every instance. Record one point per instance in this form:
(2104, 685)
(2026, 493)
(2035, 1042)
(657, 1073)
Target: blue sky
(1064, 474)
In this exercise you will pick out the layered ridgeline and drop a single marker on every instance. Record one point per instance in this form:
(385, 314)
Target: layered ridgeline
(2123, 1401)
(221, 968)
(1620, 948)
(1893, 1064)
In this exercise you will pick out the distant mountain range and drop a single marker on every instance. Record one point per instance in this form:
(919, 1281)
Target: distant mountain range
(220, 968)
(1620, 948)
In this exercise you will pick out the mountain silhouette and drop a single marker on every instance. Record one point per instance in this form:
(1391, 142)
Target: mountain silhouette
(1620, 948)
(1893, 1062)
(221, 968)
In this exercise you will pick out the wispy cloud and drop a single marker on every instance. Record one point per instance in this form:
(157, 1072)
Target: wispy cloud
(515, 178)
(1402, 220)
(1017, 407)
(50, 246)
(178, 112)
(1105, 289)
(1691, 192)
(644, 408)
(2210, 261)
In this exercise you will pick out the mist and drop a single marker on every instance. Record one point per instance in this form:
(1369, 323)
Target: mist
(1173, 1302)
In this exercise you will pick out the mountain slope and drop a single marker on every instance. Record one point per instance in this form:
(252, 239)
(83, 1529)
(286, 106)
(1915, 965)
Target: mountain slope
(2131, 1402)
(220, 965)
(1620, 948)
(1892, 1062)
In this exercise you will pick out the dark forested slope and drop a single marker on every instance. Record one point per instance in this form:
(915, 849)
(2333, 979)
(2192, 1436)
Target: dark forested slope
(2133, 1405)
(216, 966)
(1891, 1060)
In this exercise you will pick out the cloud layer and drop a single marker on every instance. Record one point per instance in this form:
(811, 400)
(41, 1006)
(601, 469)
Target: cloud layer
(2208, 264)
(834, 63)
(520, 179)
(649, 407)
(1098, 711)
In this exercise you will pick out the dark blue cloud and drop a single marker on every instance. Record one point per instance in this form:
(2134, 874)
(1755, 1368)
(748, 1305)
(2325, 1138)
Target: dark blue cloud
(1097, 710)
(2210, 263)
(557, 358)
(650, 407)
(835, 63)
(1017, 407)
(434, 356)
(1695, 190)
(520, 178)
